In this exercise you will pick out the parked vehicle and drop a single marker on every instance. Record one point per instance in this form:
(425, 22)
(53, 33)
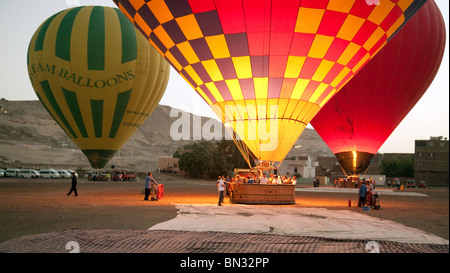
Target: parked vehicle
(422, 184)
(71, 171)
(2, 173)
(122, 176)
(26, 173)
(411, 183)
(48, 173)
(395, 182)
(11, 172)
(64, 174)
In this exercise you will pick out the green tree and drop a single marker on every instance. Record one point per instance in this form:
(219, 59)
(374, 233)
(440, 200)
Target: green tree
(218, 164)
(395, 167)
(407, 167)
(233, 157)
(196, 159)
(208, 158)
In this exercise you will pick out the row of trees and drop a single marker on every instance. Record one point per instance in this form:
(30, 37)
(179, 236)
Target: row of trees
(220, 158)
(210, 158)
(396, 167)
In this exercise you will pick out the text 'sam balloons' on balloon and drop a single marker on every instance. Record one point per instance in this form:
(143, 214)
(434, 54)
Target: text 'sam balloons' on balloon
(97, 76)
(267, 67)
(358, 119)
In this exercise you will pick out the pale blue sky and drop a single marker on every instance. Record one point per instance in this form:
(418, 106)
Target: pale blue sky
(20, 19)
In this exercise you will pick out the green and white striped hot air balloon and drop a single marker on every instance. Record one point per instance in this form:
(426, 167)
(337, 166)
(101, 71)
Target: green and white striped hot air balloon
(97, 76)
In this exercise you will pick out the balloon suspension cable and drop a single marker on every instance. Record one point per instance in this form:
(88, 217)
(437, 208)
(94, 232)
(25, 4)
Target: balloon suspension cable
(259, 165)
(263, 166)
(365, 172)
(345, 173)
(242, 147)
(249, 157)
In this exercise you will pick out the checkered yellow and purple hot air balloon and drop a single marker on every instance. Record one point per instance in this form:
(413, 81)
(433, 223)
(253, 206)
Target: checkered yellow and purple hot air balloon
(266, 67)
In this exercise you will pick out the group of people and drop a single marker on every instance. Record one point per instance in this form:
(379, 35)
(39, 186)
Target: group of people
(350, 182)
(366, 192)
(263, 179)
(251, 178)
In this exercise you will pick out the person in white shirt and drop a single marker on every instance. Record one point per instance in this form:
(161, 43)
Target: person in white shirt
(221, 188)
(277, 180)
(294, 180)
(264, 179)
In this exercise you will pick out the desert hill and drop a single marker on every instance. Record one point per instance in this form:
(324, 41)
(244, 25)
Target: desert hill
(29, 136)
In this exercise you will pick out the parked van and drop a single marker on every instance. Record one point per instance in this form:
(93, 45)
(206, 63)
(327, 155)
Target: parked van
(72, 171)
(422, 184)
(48, 173)
(28, 174)
(411, 183)
(395, 182)
(11, 172)
(64, 174)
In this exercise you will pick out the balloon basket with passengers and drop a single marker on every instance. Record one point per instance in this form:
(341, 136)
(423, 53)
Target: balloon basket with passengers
(259, 185)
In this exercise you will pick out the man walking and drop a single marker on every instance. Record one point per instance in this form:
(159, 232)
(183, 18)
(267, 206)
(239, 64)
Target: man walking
(74, 185)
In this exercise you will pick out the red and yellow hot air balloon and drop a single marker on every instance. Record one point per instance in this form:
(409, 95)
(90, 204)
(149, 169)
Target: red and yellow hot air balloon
(267, 67)
(357, 121)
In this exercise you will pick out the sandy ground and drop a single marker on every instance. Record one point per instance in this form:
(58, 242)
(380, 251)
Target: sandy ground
(31, 207)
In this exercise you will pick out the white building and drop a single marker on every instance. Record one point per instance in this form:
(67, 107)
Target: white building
(303, 165)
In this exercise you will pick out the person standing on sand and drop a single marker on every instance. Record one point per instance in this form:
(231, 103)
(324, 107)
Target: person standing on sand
(74, 185)
(362, 195)
(221, 188)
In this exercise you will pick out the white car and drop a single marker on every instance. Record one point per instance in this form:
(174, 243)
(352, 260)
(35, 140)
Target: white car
(48, 173)
(28, 174)
(2, 173)
(64, 174)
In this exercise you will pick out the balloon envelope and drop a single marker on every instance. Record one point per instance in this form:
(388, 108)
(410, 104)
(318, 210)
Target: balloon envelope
(358, 119)
(267, 67)
(96, 76)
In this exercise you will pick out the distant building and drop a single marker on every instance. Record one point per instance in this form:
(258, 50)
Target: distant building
(375, 166)
(399, 156)
(303, 165)
(328, 165)
(431, 159)
(168, 164)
